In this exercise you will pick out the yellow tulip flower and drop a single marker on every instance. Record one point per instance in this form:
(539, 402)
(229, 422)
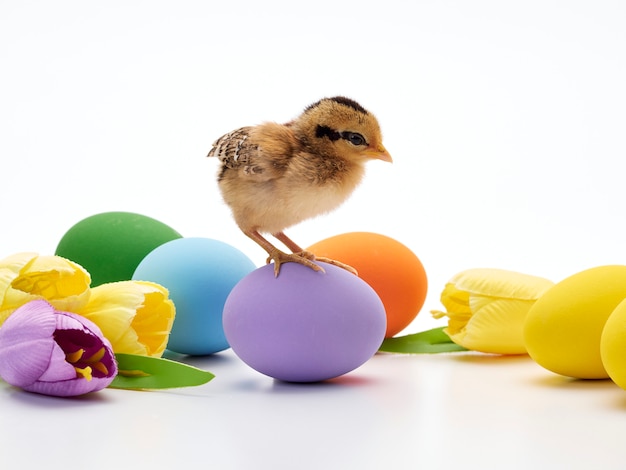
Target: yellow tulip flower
(28, 276)
(135, 316)
(486, 308)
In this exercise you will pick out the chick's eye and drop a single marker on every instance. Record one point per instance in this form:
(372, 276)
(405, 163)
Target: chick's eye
(355, 138)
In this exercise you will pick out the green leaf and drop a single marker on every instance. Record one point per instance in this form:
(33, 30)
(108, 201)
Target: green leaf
(425, 342)
(143, 372)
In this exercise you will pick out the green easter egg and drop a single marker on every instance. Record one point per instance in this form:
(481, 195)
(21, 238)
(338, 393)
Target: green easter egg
(111, 245)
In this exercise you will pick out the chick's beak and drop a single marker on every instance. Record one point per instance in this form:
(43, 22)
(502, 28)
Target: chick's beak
(378, 153)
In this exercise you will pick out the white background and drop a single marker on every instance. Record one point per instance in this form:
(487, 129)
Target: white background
(506, 121)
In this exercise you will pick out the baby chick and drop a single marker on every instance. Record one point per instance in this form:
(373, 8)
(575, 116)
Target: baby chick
(274, 175)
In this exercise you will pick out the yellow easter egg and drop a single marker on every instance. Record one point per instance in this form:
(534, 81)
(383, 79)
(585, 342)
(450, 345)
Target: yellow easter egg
(613, 345)
(563, 328)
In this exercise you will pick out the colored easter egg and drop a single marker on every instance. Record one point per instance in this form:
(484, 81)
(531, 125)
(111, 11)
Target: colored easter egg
(389, 267)
(562, 330)
(304, 326)
(199, 274)
(613, 345)
(110, 245)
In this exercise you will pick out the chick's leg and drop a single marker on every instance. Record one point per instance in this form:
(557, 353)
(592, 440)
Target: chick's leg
(289, 243)
(279, 256)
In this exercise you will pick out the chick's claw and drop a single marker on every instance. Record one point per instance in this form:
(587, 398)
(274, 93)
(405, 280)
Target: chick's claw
(280, 257)
(305, 258)
(339, 264)
(334, 262)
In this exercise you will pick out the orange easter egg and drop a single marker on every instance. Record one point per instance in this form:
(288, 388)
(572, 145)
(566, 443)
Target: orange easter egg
(389, 267)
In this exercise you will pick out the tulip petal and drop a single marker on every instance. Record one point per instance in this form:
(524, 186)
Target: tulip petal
(501, 283)
(496, 327)
(154, 320)
(10, 299)
(58, 369)
(26, 343)
(85, 335)
(136, 316)
(27, 276)
(62, 282)
(112, 307)
(69, 388)
(55, 353)
(10, 267)
(486, 308)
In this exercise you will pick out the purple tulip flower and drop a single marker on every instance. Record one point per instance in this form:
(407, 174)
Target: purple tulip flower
(51, 352)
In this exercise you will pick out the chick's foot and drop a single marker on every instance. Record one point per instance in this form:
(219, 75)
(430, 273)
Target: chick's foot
(339, 264)
(334, 262)
(280, 257)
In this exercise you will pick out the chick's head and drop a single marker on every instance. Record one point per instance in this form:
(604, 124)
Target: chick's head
(341, 127)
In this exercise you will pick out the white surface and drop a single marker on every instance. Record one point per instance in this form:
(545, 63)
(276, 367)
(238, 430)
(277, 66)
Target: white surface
(441, 412)
(506, 122)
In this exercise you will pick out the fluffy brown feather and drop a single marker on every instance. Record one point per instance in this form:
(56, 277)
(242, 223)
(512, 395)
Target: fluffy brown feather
(274, 176)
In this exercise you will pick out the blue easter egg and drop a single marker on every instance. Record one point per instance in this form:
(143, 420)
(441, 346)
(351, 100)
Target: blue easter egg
(304, 326)
(199, 274)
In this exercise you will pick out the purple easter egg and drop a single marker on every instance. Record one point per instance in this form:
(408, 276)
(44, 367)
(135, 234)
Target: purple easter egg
(304, 326)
